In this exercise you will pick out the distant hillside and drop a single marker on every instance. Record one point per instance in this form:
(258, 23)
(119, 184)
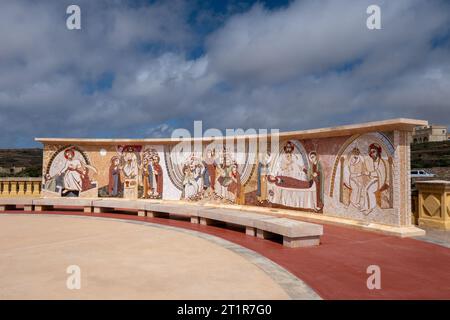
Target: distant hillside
(430, 154)
(20, 157)
(31, 159)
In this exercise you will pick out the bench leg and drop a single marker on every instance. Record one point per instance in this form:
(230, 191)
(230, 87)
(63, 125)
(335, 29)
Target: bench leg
(7, 207)
(206, 221)
(28, 207)
(87, 209)
(101, 210)
(142, 213)
(250, 231)
(40, 208)
(262, 234)
(154, 214)
(195, 220)
(301, 242)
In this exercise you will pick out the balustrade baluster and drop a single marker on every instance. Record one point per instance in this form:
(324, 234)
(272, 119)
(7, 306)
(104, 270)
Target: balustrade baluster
(36, 188)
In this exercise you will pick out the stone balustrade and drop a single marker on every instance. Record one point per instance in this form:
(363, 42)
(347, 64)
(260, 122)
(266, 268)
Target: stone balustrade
(20, 187)
(434, 204)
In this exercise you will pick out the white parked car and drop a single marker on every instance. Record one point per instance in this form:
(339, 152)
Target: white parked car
(421, 174)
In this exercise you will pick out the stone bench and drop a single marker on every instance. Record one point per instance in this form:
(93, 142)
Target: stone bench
(165, 209)
(106, 205)
(45, 204)
(144, 207)
(295, 233)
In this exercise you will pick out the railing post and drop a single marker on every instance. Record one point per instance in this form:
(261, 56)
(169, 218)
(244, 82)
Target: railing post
(4, 188)
(20, 188)
(29, 188)
(13, 188)
(36, 188)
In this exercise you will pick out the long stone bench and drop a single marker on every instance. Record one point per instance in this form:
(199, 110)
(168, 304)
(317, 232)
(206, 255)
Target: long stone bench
(12, 203)
(295, 233)
(45, 204)
(106, 205)
(144, 208)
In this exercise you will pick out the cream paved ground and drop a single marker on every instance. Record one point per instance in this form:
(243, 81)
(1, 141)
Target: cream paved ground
(121, 261)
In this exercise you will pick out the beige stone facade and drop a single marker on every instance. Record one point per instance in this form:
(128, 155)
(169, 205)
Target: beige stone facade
(430, 133)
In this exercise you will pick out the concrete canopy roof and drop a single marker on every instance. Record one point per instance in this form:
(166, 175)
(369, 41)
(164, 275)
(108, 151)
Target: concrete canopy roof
(360, 128)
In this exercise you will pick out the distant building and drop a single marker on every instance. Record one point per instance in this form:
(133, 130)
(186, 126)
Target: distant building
(11, 170)
(430, 133)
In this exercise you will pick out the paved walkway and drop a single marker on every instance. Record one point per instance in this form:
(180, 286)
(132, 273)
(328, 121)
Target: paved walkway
(441, 237)
(410, 269)
(137, 260)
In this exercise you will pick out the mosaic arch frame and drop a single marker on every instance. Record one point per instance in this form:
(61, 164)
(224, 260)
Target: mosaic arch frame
(174, 170)
(297, 143)
(380, 138)
(62, 149)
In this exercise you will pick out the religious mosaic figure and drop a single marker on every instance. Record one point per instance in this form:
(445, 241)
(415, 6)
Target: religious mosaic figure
(114, 182)
(356, 178)
(72, 172)
(290, 170)
(263, 171)
(190, 186)
(377, 176)
(147, 177)
(69, 174)
(151, 175)
(130, 168)
(293, 181)
(193, 178)
(366, 179)
(209, 176)
(228, 183)
(315, 175)
(130, 174)
(51, 184)
(235, 186)
(157, 178)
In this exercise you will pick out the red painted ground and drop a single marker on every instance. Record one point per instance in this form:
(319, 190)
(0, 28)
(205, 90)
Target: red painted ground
(410, 269)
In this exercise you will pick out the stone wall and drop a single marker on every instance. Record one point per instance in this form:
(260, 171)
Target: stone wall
(362, 176)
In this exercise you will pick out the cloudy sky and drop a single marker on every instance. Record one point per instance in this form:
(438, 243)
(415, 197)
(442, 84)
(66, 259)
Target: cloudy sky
(142, 68)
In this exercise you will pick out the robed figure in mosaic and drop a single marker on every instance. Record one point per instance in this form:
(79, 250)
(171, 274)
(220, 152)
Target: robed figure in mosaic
(262, 173)
(315, 175)
(114, 181)
(72, 172)
(365, 179)
(377, 177)
(157, 178)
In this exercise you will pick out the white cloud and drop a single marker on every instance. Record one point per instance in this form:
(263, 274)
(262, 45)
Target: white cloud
(310, 64)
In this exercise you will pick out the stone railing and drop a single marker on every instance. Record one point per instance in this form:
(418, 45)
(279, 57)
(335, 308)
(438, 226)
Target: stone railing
(434, 204)
(20, 187)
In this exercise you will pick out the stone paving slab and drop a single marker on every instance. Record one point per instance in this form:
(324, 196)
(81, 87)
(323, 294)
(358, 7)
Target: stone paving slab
(148, 262)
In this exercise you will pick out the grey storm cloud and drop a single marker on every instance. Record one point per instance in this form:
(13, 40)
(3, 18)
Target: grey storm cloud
(128, 71)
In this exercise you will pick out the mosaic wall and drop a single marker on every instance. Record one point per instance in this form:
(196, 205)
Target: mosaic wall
(348, 177)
